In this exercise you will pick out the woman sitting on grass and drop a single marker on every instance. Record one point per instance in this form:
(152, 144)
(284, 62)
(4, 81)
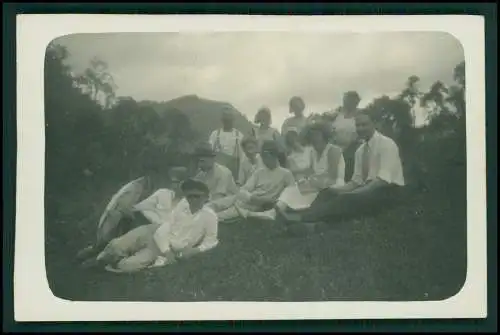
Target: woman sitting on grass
(327, 165)
(299, 160)
(263, 188)
(250, 161)
(190, 229)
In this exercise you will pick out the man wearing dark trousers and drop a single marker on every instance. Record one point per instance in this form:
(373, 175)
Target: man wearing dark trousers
(375, 184)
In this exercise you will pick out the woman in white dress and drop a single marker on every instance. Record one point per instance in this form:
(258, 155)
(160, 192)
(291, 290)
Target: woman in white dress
(299, 159)
(327, 169)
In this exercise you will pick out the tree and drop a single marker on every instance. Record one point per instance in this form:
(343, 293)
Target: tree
(98, 83)
(411, 95)
(435, 99)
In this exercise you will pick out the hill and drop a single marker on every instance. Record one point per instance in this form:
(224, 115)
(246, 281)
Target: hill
(204, 114)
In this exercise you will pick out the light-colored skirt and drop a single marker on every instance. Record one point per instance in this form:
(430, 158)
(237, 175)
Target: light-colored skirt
(296, 198)
(293, 198)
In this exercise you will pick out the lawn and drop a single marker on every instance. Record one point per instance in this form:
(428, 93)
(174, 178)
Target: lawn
(416, 251)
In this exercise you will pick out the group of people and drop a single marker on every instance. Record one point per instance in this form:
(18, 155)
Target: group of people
(309, 172)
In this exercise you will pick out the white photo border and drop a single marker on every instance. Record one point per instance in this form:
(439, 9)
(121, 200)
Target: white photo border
(33, 299)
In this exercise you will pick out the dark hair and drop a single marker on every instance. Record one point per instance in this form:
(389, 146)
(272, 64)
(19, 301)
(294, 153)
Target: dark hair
(263, 111)
(270, 147)
(296, 100)
(193, 184)
(352, 94)
(322, 127)
(247, 140)
(367, 113)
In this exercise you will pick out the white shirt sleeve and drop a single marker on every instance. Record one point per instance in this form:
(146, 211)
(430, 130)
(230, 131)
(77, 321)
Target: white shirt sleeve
(210, 221)
(162, 234)
(150, 202)
(390, 169)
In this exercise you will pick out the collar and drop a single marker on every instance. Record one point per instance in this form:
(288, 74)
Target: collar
(373, 139)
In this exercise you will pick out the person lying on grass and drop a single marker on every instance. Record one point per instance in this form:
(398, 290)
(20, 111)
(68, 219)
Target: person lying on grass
(190, 229)
(149, 213)
(262, 190)
(376, 183)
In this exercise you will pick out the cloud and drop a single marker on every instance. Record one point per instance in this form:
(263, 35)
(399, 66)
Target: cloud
(254, 69)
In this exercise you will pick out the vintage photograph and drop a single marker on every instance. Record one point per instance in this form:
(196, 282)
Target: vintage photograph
(255, 166)
(250, 168)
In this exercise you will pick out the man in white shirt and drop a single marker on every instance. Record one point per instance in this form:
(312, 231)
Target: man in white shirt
(226, 143)
(375, 185)
(190, 229)
(217, 177)
(148, 214)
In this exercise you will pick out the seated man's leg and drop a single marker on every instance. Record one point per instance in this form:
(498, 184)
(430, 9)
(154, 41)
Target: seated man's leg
(127, 244)
(321, 207)
(348, 205)
(138, 261)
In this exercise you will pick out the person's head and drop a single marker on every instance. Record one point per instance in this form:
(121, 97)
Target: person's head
(227, 119)
(318, 134)
(292, 139)
(177, 174)
(269, 153)
(351, 100)
(250, 146)
(365, 125)
(297, 106)
(263, 117)
(205, 157)
(196, 194)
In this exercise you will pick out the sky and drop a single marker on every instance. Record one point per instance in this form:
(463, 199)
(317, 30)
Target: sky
(255, 69)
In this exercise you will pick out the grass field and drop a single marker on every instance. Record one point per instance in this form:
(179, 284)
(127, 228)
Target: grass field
(414, 252)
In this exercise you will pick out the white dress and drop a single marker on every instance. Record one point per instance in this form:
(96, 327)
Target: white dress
(294, 198)
(301, 161)
(344, 130)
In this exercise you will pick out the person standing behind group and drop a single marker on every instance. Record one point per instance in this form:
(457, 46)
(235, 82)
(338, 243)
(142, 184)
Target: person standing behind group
(226, 143)
(298, 121)
(264, 132)
(344, 128)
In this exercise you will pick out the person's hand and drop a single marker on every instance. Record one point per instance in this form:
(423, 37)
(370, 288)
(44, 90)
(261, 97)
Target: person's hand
(187, 253)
